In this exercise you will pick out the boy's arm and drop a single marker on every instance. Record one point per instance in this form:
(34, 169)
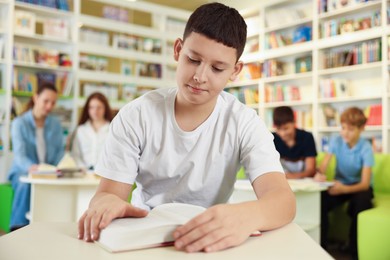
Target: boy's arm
(310, 169)
(227, 225)
(363, 185)
(108, 203)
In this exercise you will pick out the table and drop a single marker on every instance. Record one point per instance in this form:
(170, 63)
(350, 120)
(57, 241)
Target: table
(61, 200)
(53, 240)
(308, 199)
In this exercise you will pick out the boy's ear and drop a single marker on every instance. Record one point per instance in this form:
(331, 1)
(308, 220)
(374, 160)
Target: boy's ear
(177, 47)
(237, 69)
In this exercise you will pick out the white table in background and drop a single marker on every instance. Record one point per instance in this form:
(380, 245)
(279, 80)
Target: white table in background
(308, 199)
(59, 241)
(60, 200)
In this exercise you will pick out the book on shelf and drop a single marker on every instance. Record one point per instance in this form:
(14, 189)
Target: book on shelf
(334, 87)
(154, 230)
(373, 114)
(24, 22)
(56, 28)
(303, 64)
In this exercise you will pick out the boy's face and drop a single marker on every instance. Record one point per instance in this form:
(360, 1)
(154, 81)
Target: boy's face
(204, 67)
(350, 133)
(286, 131)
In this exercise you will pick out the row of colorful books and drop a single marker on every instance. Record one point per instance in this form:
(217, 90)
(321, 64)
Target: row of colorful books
(248, 95)
(27, 81)
(125, 92)
(41, 56)
(280, 93)
(300, 34)
(333, 5)
(334, 87)
(341, 26)
(57, 4)
(365, 52)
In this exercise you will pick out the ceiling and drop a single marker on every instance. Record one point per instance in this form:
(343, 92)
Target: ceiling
(191, 5)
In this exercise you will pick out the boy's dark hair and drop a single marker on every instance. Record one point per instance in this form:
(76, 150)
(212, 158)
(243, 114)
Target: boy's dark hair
(353, 116)
(220, 23)
(283, 115)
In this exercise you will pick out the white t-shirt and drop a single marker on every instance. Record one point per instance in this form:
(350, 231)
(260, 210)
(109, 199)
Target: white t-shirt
(41, 144)
(88, 144)
(145, 145)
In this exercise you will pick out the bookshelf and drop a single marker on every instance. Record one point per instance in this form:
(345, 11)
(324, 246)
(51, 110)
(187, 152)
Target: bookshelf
(343, 63)
(135, 53)
(120, 48)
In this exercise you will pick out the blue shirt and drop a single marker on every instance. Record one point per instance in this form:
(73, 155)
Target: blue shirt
(24, 143)
(350, 161)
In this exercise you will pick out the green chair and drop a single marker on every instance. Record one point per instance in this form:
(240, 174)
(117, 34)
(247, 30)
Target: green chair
(374, 224)
(6, 196)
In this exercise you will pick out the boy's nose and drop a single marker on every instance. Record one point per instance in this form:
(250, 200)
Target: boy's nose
(200, 74)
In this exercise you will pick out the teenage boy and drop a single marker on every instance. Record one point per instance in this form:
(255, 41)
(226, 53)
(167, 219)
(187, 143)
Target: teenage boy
(186, 145)
(354, 157)
(296, 146)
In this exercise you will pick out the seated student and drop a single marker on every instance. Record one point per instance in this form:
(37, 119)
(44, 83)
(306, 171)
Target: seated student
(296, 146)
(186, 145)
(354, 158)
(36, 138)
(92, 131)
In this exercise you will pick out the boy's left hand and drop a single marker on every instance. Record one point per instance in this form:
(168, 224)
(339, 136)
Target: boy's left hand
(218, 228)
(337, 188)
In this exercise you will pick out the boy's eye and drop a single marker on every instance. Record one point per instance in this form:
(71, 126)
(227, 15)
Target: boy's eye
(217, 69)
(193, 60)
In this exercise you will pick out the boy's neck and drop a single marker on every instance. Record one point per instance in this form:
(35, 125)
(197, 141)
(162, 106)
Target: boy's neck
(189, 116)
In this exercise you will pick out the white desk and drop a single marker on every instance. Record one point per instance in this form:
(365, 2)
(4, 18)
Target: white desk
(308, 199)
(59, 241)
(60, 200)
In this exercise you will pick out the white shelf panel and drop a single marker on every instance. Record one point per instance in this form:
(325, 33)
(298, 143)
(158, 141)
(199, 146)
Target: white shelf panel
(350, 9)
(100, 76)
(349, 38)
(252, 57)
(347, 99)
(288, 103)
(243, 83)
(2, 61)
(352, 68)
(290, 25)
(121, 27)
(43, 38)
(338, 128)
(41, 66)
(42, 10)
(295, 76)
(294, 49)
(121, 53)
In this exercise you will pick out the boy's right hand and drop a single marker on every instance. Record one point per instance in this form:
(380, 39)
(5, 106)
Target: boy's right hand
(319, 177)
(101, 212)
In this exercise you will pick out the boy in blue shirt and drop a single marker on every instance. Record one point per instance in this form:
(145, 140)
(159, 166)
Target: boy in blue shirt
(296, 146)
(355, 159)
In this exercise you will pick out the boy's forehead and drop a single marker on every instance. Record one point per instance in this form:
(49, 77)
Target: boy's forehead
(222, 53)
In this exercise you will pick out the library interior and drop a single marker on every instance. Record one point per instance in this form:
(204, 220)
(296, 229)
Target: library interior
(325, 61)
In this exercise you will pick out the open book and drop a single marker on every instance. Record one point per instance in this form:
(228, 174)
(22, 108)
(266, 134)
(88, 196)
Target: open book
(66, 168)
(154, 230)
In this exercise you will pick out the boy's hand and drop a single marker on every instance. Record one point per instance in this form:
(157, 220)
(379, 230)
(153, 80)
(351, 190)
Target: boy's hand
(102, 212)
(218, 228)
(337, 189)
(319, 177)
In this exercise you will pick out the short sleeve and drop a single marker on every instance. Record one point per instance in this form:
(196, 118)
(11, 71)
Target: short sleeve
(333, 145)
(120, 157)
(258, 153)
(368, 155)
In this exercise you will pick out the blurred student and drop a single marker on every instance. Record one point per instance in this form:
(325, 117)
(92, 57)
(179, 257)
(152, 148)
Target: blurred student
(92, 131)
(296, 146)
(186, 143)
(36, 139)
(354, 157)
